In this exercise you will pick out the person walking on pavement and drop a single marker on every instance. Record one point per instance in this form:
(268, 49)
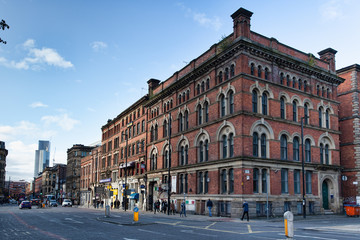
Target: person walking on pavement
(209, 205)
(172, 207)
(245, 211)
(183, 209)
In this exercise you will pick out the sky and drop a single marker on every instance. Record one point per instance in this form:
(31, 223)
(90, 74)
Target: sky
(69, 66)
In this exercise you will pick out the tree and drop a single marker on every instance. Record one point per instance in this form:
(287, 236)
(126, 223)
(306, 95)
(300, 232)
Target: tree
(3, 25)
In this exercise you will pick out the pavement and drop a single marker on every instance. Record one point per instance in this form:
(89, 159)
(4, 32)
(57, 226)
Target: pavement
(334, 222)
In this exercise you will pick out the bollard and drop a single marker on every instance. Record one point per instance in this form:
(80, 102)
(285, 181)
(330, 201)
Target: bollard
(289, 224)
(136, 214)
(107, 211)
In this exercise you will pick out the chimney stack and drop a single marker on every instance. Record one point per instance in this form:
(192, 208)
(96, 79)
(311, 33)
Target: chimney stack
(241, 19)
(328, 55)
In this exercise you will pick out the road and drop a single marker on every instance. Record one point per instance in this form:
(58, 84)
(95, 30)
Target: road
(82, 223)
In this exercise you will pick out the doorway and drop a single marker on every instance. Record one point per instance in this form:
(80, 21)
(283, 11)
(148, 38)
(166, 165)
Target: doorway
(325, 195)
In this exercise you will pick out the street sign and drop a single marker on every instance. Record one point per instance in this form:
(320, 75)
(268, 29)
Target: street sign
(123, 185)
(136, 209)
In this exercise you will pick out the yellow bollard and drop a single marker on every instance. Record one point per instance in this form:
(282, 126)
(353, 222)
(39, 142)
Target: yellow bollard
(136, 214)
(289, 224)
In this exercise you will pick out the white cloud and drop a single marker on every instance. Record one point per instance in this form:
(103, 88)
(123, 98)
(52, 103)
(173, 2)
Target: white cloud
(98, 46)
(331, 10)
(37, 58)
(20, 160)
(38, 105)
(23, 128)
(64, 121)
(202, 18)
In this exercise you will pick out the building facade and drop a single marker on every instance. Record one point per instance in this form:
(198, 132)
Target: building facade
(123, 156)
(53, 179)
(3, 154)
(73, 170)
(42, 157)
(236, 115)
(349, 123)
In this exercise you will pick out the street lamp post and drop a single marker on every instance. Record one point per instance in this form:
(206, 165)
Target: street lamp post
(302, 165)
(126, 157)
(169, 165)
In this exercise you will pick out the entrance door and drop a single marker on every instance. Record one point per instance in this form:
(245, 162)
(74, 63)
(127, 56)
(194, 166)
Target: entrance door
(325, 194)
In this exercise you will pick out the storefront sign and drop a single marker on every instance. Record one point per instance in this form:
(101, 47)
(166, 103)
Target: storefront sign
(105, 180)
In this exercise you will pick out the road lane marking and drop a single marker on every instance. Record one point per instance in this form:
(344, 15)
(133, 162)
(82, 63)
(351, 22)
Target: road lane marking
(196, 233)
(72, 220)
(143, 230)
(249, 228)
(207, 227)
(312, 237)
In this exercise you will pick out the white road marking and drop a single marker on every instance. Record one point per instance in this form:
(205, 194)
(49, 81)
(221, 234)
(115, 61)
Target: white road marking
(142, 230)
(72, 220)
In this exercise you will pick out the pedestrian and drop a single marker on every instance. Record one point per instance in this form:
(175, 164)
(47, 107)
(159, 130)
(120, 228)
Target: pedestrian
(245, 211)
(183, 209)
(172, 207)
(165, 206)
(112, 204)
(102, 203)
(209, 205)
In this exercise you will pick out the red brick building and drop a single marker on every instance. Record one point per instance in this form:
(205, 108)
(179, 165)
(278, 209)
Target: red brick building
(236, 114)
(123, 154)
(349, 122)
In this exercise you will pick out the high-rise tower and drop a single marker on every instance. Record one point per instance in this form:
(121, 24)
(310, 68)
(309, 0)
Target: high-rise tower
(42, 157)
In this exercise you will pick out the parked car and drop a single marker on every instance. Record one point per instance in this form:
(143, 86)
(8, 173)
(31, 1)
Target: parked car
(13, 201)
(35, 201)
(25, 204)
(53, 203)
(67, 203)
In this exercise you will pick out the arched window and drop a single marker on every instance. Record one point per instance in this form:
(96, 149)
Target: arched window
(294, 111)
(263, 145)
(223, 181)
(327, 158)
(180, 122)
(254, 101)
(288, 80)
(296, 154)
(203, 87)
(226, 73)
(156, 132)
(206, 111)
(306, 113)
(166, 159)
(282, 108)
(264, 181)
(320, 116)
(206, 148)
(220, 77)
(264, 104)
(307, 150)
(201, 152)
(186, 120)
(328, 93)
(182, 155)
(299, 84)
(199, 112)
(305, 86)
(318, 90)
(222, 106)
(321, 153)
(231, 102)
(283, 144)
(143, 126)
(327, 119)
(323, 91)
(231, 145)
(231, 180)
(183, 96)
(186, 154)
(187, 96)
(198, 89)
(252, 69)
(165, 129)
(259, 71)
(207, 84)
(152, 134)
(206, 182)
(255, 145)
(293, 82)
(281, 78)
(256, 180)
(201, 182)
(232, 70)
(266, 74)
(153, 161)
(224, 146)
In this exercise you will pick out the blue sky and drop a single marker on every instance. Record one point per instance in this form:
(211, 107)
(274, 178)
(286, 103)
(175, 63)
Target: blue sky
(69, 66)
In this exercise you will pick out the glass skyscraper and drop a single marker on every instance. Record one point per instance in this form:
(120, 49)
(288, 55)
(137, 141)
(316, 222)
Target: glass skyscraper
(42, 157)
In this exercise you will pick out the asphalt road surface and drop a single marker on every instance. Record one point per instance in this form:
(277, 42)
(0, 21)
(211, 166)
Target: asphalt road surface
(82, 223)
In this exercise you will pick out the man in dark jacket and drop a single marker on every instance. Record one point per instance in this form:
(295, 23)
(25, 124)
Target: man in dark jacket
(245, 211)
(209, 205)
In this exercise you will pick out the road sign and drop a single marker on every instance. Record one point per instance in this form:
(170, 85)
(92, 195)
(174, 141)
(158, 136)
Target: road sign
(136, 209)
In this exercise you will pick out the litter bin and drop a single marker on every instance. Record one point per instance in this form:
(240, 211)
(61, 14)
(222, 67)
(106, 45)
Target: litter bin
(352, 210)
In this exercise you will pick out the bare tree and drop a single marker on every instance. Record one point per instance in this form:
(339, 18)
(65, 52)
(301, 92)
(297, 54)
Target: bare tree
(3, 25)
